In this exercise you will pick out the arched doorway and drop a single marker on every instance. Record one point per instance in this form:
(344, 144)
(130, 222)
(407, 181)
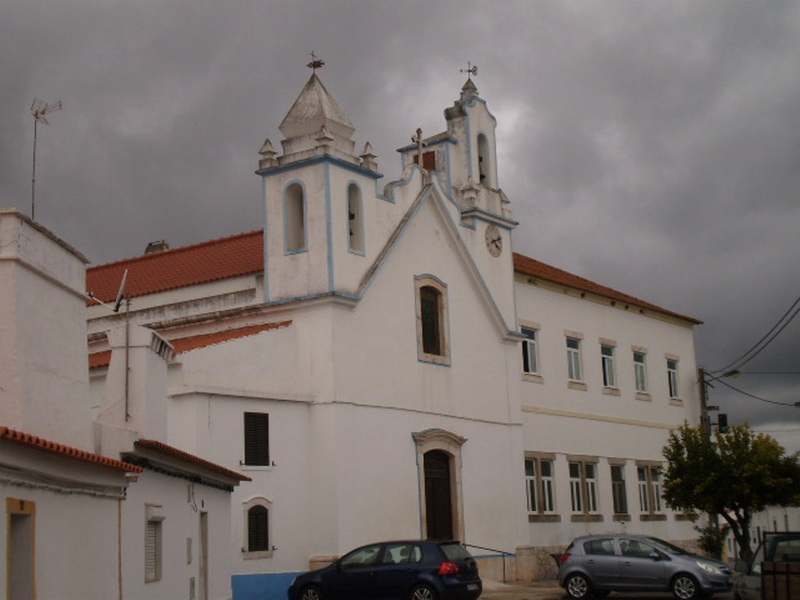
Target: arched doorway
(438, 495)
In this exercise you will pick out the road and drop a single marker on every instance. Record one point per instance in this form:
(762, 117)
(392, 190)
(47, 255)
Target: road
(550, 590)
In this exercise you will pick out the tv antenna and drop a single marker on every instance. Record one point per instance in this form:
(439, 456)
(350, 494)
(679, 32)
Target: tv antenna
(120, 295)
(39, 109)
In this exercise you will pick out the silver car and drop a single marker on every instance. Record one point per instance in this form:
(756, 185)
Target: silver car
(599, 564)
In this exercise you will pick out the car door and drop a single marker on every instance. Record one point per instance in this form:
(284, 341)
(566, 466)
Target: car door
(601, 562)
(398, 570)
(354, 575)
(641, 566)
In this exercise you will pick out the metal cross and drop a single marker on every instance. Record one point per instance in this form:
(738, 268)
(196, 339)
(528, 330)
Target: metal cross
(315, 64)
(472, 69)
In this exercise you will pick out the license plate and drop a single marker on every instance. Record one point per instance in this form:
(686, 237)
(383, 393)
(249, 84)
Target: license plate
(472, 587)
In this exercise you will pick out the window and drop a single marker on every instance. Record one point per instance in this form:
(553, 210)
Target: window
(432, 326)
(574, 359)
(539, 485)
(295, 218)
(258, 529)
(530, 351)
(355, 219)
(607, 355)
(152, 543)
(256, 439)
(583, 487)
(428, 160)
(618, 492)
(640, 372)
(20, 547)
(672, 377)
(649, 489)
(603, 546)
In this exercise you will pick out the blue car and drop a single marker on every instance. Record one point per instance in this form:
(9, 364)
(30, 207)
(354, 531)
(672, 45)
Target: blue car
(402, 570)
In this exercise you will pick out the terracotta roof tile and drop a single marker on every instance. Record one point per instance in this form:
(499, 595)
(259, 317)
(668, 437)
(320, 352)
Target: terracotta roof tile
(185, 344)
(213, 260)
(32, 441)
(171, 451)
(535, 268)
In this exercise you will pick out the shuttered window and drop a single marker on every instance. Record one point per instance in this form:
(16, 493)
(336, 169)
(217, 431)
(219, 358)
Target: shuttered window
(258, 529)
(152, 551)
(256, 439)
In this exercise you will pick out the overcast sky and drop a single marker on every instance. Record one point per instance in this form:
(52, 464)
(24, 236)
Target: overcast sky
(653, 147)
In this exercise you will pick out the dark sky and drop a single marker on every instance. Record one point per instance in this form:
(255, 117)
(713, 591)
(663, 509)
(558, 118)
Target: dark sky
(653, 147)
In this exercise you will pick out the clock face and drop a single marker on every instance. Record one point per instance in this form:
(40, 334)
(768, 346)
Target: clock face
(494, 240)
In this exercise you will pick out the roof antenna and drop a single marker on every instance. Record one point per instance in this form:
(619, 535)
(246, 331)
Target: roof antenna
(39, 110)
(120, 295)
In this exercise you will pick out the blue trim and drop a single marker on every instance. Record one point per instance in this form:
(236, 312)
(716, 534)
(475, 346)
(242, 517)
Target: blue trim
(329, 227)
(320, 159)
(314, 297)
(304, 248)
(262, 586)
(266, 238)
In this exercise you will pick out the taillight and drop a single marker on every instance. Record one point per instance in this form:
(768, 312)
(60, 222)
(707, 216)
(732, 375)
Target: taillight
(564, 558)
(448, 568)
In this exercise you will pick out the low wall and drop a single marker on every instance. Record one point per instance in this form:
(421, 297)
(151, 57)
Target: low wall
(529, 563)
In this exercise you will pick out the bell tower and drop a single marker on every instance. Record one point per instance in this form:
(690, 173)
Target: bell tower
(316, 197)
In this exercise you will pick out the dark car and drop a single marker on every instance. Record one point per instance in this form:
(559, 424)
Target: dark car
(402, 570)
(599, 564)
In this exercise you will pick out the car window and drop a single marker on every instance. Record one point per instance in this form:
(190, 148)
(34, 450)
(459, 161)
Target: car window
(635, 548)
(361, 558)
(666, 546)
(599, 546)
(402, 554)
(455, 552)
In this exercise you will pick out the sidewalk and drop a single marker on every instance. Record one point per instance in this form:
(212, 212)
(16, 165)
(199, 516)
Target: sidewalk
(537, 590)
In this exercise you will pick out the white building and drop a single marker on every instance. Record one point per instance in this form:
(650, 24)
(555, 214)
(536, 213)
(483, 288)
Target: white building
(381, 365)
(79, 522)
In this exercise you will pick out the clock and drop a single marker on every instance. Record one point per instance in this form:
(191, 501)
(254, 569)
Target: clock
(494, 240)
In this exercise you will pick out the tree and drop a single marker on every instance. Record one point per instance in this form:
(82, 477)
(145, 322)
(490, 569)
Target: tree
(733, 475)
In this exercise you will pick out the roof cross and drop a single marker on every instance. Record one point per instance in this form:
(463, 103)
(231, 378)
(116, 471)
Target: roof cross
(471, 69)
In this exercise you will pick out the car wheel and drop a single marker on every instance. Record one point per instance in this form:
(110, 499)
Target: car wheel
(310, 592)
(422, 592)
(684, 587)
(578, 586)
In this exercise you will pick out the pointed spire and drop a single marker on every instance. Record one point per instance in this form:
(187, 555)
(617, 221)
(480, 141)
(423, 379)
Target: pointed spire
(313, 108)
(267, 153)
(368, 158)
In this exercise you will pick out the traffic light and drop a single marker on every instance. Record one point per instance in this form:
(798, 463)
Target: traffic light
(722, 422)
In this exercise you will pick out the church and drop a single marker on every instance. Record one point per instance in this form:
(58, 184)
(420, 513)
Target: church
(378, 363)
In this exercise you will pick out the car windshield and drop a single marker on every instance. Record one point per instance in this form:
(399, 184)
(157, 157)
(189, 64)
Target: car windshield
(455, 552)
(666, 546)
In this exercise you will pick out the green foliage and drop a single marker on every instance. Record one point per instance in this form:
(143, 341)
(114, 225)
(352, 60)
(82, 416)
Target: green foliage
(712, 539)
(738, 473)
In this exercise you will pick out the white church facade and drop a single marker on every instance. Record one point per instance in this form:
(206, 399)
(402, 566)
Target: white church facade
(380, 363)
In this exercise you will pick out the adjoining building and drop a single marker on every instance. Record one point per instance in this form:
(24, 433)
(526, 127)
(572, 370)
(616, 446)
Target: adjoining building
(380, 363)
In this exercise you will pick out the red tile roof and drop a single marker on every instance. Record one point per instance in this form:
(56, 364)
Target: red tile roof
(535, 268)
(171, 451)
(32, 441)
(185, 344)
(241, 254)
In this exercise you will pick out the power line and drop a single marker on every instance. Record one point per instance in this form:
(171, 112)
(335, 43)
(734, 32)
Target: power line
(765, 341)
(749, 395)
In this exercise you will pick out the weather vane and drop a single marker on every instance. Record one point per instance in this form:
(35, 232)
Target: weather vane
(315, 64)
(39, 110)
(472, 69)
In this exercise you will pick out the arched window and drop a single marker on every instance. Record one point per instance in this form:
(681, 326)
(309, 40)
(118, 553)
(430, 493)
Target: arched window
(257, 541)
(432, 321)
(484, 161)
(355, 219)
(295, 218)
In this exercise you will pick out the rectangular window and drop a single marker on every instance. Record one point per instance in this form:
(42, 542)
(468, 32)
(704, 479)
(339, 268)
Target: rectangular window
(672, 377)
(609, 376)
(153, 554)
(539, 485)
(583, 487)
(640, 371)
(530, 351)
(574, 359)
(432, 321)
(256, 439)
(258, 529)
(618, 493)
(649, 489)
